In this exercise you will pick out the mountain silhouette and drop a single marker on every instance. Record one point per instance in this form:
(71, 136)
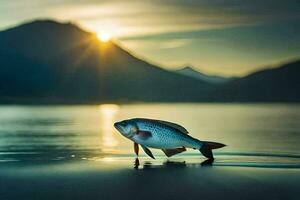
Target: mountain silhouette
(213, 79)
(281, 84)
(50, 62)
(47, 61)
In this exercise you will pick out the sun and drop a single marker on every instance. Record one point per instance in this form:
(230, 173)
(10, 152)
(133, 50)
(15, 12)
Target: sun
(104, 36)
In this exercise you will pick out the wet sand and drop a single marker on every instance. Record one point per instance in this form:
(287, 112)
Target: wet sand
(112, 178)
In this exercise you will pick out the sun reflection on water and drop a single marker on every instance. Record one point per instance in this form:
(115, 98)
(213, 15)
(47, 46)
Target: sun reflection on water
(108, 113)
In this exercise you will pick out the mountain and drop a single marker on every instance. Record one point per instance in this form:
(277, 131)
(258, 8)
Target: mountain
(49, 62)
(191, 72)
(281, 84)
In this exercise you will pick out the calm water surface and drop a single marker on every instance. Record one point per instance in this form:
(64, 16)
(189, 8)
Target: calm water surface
(263, 135)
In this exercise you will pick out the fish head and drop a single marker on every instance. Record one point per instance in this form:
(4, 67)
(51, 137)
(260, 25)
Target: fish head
(127, 128)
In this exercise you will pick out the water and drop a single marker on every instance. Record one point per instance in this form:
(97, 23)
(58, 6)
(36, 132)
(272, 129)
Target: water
(259, 135)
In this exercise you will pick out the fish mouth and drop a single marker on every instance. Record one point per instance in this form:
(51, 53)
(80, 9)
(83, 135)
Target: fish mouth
(118, 126)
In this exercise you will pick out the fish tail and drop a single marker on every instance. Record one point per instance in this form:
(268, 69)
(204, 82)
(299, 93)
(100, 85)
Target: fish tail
(206, 148)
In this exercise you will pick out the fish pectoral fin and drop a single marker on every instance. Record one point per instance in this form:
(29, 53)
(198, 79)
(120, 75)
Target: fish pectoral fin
(172, 152)
(136, 148)
(147, 151)
(144, 134)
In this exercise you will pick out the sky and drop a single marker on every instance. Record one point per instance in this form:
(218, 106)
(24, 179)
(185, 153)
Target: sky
(232, 37)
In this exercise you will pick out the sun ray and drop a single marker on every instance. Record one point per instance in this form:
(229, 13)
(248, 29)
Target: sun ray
(104, 36)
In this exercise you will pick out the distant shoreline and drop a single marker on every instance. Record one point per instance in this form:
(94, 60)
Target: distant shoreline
(143, 103)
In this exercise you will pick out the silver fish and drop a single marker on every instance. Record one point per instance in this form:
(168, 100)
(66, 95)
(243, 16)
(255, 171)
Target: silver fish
(171, 138)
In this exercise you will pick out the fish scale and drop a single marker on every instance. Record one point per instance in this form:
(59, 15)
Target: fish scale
(165, 137)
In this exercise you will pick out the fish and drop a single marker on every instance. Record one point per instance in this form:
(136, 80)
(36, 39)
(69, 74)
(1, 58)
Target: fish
(170, 137)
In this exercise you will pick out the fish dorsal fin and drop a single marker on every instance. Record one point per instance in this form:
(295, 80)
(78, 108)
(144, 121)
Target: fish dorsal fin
(175, 126)
(166, 123)
(172, 152)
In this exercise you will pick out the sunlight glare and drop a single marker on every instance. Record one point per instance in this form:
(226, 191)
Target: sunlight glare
(108, 112)
(104, 36)
(109, 109)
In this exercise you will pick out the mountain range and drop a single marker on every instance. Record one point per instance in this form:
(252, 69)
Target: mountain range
(46, 61)
(281, 84)
(213, 79)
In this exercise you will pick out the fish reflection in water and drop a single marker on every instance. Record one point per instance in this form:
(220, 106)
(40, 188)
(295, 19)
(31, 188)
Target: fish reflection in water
(136, 163)
(168, 164)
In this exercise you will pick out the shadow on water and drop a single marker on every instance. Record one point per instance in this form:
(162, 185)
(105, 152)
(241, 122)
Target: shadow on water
(169, 164)
(230, 159)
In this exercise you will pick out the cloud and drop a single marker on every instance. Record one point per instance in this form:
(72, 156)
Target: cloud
(132, 17)
(160, 44)
(136, 17)
(172, 44)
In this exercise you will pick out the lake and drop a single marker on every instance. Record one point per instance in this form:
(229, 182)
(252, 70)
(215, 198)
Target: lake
(260, 135)
(74, 152)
